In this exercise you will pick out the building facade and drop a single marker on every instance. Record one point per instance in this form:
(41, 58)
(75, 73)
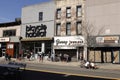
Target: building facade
(104, 14)
(10, 38)
(38, 27)
(68, 37)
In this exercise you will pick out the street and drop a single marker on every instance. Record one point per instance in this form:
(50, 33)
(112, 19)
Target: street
(37, 75)
(74, 71)
(62, 72)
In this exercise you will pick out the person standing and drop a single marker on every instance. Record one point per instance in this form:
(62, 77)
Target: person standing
(41, 55)
(52, 56)
(6, 56)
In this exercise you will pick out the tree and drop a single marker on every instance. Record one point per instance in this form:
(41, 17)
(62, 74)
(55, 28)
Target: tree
(89, 31)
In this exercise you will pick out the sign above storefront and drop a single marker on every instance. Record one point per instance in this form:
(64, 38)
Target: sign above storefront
(36, 31)
(69, 41)
(107, 39)
(7, 39)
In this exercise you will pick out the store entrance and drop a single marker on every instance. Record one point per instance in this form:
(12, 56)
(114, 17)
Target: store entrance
(3, 52)
(37, 49)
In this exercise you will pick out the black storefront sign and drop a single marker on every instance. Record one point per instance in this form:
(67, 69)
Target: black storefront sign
(36, 31)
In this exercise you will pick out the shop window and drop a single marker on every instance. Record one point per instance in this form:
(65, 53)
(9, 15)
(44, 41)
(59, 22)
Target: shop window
(58, 14)
(68, 28)
(79, 11)
(58, 30)
(68, 12)
(79, 28)
(7, 33)
(40, 16)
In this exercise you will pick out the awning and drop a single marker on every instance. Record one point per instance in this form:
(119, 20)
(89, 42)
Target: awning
(37, 39)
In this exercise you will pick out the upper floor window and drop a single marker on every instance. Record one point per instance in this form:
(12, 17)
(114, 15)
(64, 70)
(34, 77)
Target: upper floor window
(79, 28)
(68, 28)
(58, 14)
(68, 12)
(79, 11)
(58, 29)
(7, 33)
(40, 16)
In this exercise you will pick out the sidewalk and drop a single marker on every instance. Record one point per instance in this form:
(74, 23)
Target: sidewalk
(77, 64)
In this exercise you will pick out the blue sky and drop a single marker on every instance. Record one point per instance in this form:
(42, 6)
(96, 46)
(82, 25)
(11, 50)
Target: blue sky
(11, 9)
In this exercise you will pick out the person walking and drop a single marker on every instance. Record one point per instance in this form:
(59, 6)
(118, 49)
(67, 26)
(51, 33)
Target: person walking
(41, 55)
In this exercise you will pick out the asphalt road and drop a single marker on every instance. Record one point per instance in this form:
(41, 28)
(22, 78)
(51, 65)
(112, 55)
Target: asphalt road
(38, 75)
(70, 72)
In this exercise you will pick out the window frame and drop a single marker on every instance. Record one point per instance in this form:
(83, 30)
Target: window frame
(78, 11)
(79, 28)
(40, 16)
(68, 28)
(7, 33)
(68, 13)
(58, 13)
(58, 29)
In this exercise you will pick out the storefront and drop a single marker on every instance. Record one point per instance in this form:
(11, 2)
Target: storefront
(36, 45)
(70, 45)
(106, 49)
(9, 45)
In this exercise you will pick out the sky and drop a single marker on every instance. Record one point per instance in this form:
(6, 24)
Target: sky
(11, 9)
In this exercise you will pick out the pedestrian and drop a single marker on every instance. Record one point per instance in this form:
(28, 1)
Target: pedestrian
(60, 57)
(9, 57)
(32, 55)
(41, 55)
(28, 56)
(52, 57)
(87, 64)
(6, 56)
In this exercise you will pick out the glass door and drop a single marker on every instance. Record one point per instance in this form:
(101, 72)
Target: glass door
(37, 49)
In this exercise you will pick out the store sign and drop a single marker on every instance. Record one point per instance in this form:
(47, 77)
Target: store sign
(4, 39)
(69, 41)
(36, 31)
(107, 39)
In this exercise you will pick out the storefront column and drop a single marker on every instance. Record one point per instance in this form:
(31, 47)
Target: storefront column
(52, 49)
(43, 47)
(77, 53)
(112, 57)
(102, 57)
(119, 56)
(85, 53)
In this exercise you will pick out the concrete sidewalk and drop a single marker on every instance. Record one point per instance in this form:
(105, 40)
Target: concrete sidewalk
(77, 64)
(101, 65)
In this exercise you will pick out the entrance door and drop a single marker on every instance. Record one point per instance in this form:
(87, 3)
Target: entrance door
(37, 49)
(3, 52)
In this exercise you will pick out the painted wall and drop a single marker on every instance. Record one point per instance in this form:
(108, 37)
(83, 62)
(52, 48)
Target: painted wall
(104, 13)
(30, 16)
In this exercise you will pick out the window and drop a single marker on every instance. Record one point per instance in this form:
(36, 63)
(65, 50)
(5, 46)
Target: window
(58, 14)
(79, 11)
(58, 26)
(7, 33)
(68, 28)
(68, 12)
(40, 16)
(78, 28)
